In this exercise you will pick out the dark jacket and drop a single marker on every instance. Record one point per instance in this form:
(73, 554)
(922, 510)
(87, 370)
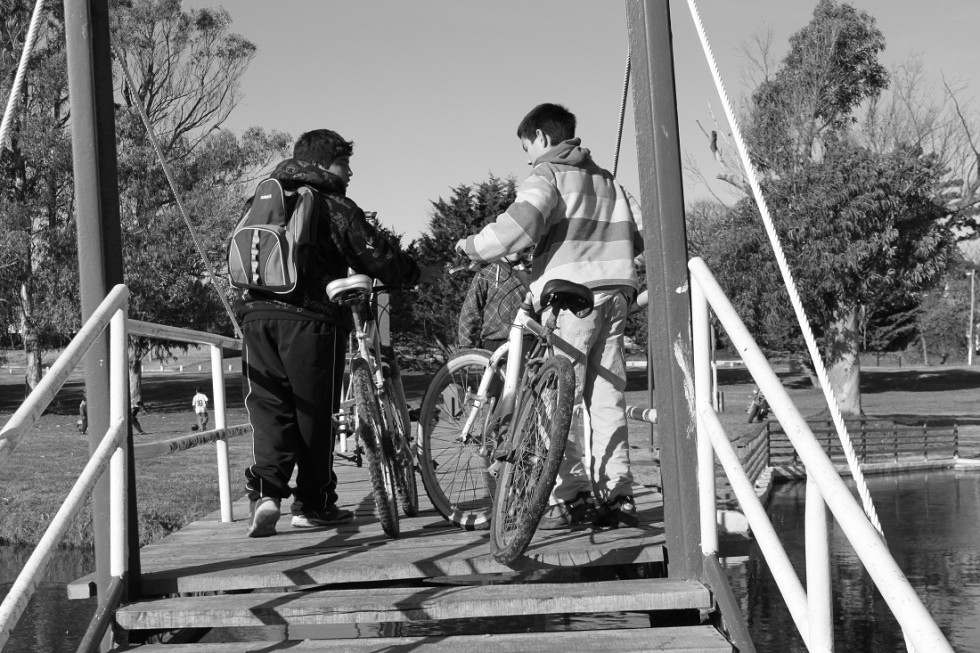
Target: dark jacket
(492, 301)
(344, 239)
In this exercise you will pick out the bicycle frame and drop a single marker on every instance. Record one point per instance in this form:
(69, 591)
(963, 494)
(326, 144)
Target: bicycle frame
(523, 322)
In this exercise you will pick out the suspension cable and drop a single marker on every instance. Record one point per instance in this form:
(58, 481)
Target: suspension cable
(18, 84)
(173, 188)
(622, 112)
(787, 275)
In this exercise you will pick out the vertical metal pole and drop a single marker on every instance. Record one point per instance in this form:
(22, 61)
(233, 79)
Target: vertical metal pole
(221, 446)
(97, 217)
(820, 601)
(702, 395)
(969, 331)
(669, 321)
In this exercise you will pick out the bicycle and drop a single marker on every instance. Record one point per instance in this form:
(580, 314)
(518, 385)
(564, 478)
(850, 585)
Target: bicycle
(493, 426)
(373, 404)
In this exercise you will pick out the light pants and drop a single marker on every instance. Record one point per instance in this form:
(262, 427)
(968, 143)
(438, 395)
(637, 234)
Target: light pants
(595, 346)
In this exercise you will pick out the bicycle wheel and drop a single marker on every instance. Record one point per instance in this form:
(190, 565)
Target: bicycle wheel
(404, 462)
(377, 448)
(454, 469)
(529, 471)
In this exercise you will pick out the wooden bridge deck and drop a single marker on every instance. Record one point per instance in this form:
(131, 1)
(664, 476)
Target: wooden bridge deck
(274, 587)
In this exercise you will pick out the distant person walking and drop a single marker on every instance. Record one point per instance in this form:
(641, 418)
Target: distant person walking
(137, 407)
(82, 423)
(200, 404)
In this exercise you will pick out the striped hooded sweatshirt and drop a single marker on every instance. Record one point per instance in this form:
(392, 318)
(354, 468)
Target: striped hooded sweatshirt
(582, 224)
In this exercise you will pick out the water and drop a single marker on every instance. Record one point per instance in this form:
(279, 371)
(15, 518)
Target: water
(52, 623)
(931, 521)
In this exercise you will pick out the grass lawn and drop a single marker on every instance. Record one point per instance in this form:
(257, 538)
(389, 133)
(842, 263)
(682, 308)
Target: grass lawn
(174, 490)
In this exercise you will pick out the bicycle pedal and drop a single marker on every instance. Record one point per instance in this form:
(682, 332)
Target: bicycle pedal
(494, 469)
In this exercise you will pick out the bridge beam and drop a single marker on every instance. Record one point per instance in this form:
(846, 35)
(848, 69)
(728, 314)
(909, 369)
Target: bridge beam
(669, 311)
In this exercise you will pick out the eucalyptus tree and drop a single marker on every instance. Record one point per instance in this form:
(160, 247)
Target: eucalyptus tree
(856, 224)
(178, 79)
(37, 233)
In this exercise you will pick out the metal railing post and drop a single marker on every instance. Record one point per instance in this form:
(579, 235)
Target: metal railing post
(221, 446)
(820, 609)
(118, 407)
(701, 327)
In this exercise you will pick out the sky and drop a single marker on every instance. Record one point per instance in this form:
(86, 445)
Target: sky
(431, 91)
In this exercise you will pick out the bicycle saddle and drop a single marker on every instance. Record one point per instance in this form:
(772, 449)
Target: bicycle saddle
(354, 286)
(568, 295)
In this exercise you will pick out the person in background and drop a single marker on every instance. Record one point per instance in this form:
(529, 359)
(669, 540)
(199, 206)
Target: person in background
(492, 301)
(82, 423)
(200, 404)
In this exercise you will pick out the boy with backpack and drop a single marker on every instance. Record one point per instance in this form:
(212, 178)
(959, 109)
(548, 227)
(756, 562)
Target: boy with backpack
(293, 336)
(585, 229)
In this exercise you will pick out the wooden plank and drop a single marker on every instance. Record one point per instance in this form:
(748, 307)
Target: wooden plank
(413, 603)
(209, 555)
(675, 639)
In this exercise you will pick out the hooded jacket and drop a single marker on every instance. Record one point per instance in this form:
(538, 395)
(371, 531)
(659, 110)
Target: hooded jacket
(584, 226)
(344, 239)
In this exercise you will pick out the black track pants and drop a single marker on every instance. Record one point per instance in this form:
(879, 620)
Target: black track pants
(291, 376)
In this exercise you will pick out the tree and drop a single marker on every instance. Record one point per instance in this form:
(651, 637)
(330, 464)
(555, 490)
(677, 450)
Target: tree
(37, 291)
(468, 209)
(184, 69)
(857, 225)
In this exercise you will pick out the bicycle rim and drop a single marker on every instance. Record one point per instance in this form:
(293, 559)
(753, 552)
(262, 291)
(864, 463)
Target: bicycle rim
(454, 470)
(403, 463)
(376, 449)
(529, 473)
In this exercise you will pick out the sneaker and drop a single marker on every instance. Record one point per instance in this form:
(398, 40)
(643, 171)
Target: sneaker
(318, 518)
(627, 505)
(263, 515)
(579, 510)
(621, 510)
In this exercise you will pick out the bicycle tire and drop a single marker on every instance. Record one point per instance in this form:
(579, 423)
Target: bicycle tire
(377, 448)
(529, 472)
(404, 463)
(454, 472)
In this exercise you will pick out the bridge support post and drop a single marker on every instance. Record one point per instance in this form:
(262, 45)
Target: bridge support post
(669, 321)
(99, 236)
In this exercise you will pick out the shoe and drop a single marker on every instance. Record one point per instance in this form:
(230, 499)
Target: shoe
(318, 518)
(264, 515)
(627, 505)
(579, 510)
(621, 510)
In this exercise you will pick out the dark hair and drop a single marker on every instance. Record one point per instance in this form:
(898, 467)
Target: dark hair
(322, 146)
(554, 121)
(197, 389)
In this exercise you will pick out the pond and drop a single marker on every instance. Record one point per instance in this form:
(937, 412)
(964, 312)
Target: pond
(930, 519)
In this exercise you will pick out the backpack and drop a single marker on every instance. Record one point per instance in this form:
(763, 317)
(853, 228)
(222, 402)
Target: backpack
(272, 246)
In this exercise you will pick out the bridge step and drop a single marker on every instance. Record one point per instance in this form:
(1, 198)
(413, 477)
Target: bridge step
(412, 604)
(674, 639)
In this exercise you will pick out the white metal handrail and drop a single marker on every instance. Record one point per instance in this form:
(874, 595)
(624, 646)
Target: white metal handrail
(215, 342)
(110, 453)
(811, 614)
(51, 383)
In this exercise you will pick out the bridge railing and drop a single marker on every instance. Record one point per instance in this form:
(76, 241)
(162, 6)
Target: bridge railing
(221, 432)
(812, 608)
(111, 453)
